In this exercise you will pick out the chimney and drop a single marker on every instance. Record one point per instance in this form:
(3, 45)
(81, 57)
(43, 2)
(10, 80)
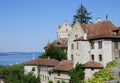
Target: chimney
(85, 34)
(98, 20)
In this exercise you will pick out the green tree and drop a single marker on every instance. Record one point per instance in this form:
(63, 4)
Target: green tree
(77, 74)
(55, 53)
(50, 81)
(15, 74)
(82, 15)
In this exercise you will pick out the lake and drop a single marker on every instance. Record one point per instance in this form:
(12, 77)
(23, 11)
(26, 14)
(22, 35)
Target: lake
(9, 58)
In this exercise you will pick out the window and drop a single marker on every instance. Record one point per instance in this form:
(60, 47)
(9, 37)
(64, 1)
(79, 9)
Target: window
(119, 74)
(66, 30)
(65, 24)
(72, 46)
(72, 57)
(92, 45)
(100, 57)
(92, 69)
(116, 45)
(58, 81)
(92, 57)
(77, 45)
(99, 44)
(33, 68)
(58, 43)
(119, 53)
(58, 73)
(68, 34)
(76, 36)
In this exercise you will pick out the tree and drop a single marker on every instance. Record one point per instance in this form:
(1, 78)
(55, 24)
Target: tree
(77, 74)
(15, 74)
(55, 53)
(50, 81)
(82, 15)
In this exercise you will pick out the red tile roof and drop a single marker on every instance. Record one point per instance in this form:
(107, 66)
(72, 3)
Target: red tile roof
(103, 29)
(93, 64)
(65, 65)
(61, 43)
(43, 62)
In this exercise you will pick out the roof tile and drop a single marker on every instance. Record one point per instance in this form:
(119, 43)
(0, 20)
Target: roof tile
(93, 64)
(43, 62)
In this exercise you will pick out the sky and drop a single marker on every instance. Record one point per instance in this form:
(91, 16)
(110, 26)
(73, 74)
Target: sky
(27, 25)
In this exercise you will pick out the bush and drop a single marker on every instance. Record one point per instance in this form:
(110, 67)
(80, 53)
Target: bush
(111, 64)
(50, 81)
(77, 74)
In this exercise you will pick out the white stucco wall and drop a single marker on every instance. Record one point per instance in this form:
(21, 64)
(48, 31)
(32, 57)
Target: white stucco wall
(64, 76)
(105, 51)
(89, 73)
(76, 30)
(82, 54)
(45, 74)
(28, 68)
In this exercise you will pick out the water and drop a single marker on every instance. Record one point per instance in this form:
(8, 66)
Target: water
(17, 57)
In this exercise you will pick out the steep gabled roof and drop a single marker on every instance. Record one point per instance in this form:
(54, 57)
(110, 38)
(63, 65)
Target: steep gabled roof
(42, 62)
(103, 29)
(98, 28)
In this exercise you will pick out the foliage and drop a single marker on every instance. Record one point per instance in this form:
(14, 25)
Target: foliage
(15, 74)
(82, 15)
(50, 81)
(58, 81)
(55, 53)
(100, 76)
(43, 56)
(63, 82)
(111, 64)
(77, 74)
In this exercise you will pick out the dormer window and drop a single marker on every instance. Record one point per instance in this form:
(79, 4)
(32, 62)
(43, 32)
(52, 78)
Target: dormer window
(116, 32)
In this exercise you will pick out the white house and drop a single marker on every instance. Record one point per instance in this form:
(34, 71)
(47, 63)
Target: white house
(91, 44)
(41, 66)
(98, 42)
(50, 69)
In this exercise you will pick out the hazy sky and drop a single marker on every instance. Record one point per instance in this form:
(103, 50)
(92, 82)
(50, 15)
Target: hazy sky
(27, 25)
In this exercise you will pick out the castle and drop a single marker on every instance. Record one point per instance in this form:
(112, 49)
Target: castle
(91, 44)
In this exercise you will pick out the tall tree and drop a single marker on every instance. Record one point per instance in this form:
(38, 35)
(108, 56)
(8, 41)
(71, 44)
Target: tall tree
(82, 15)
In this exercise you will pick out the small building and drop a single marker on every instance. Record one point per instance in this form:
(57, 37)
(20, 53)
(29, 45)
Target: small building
(91, 67)
(41, 67)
